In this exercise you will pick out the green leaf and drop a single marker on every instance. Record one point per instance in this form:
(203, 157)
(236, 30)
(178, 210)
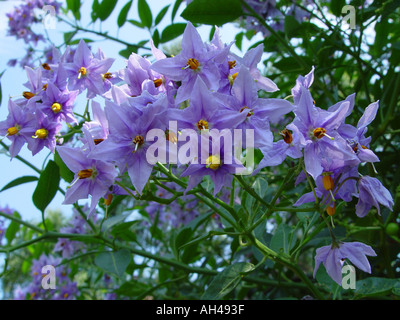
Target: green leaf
(74, 6)
(226, 281)
(172, 31)
(145, 13)
(124, 14)
(127, 52)
(175, 9)
(283, 239)
(19, 181)
(161, 15)
(12, 228)
(336, 7)
(136, 23)
(213, 12)
(110, 222)
(47, 186)
(105, 8)
(291, 26)
(65, 173)
(114, 262)
(376, 286)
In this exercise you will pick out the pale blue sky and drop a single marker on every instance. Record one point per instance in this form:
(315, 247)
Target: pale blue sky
(20, 198)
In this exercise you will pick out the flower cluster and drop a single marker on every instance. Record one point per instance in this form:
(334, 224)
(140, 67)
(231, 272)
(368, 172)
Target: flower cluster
(273, 15)
(333, 151)
(21, 22)
(198, 110)
(65, 289)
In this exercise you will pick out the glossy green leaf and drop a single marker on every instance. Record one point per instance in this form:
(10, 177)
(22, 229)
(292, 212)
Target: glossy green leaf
(47, 186)
(123, 15)
(226, 281)
(213, 12)
(19, 181)
(172, 31)
(145, 14)
(161, 15)
(114, 262)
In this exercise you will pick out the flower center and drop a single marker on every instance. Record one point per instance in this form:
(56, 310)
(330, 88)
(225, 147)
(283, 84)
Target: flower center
(287, 136)
(84, 174)
(82, 72)
(232, 64)
(138, 141)
(41, 134)
(321, 132)
(192, 63)
(213, 162)
(232, 78)
(157, 82)
(97, 141)
(56, 107)
(250, 112)
(28, 95)
(171, 136)
(13, 130)
(107, 75)
(202, 125)
(46, 66)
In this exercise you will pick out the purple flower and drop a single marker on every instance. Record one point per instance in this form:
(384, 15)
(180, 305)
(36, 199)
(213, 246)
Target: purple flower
(88, 72)
(214, 159)
(18, 127)
(44, 133)
(371, 194)
(319, 134)
(258, 112)
(333, 257)
(57, 105)
(206, 112)
(92, 177)
(126, 145)
(194, 61)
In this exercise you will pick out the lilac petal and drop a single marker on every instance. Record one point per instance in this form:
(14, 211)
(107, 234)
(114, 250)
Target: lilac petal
(312, 161)
(83, 55)
(367, 155)
(308, 197)
(274, 109)
(79, 190)
(244, 88)
(16, 146)
(171, 67)
(192, 44)
(362, 208)
(321, 255)
(139, 172)
(369, 115)
(73, 158)
(332, 120)
(333, 266)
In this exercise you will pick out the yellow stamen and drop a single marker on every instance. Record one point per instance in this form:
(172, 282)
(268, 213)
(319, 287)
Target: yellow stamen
(138, 141)
(193, 63)
(232, 64)
(56, 107)
(107, 75)
(157, 82)
(46, 66)
(287, 136)
(97, 141)
(327, 181)
(107, 201)
(84, 174)
(250, 112)
(28, 95)
(331, 210)
(11, 131)
(41, 134)
(213, 162)
(202, 125)
(82, 72)
(170, 136)
(321, 132)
